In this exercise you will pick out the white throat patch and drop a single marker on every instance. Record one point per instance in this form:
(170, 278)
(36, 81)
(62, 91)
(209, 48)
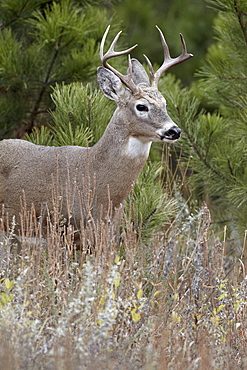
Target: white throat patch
(138, 147)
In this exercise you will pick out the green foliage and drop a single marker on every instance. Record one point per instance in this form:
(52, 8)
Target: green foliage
(79, 108)
(42, 136)
(43, 43)
(214, 144)
(69, 118)
(223, 73)
(77, 118)
(150, 206)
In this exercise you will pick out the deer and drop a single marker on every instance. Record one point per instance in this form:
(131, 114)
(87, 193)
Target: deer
(109, 169)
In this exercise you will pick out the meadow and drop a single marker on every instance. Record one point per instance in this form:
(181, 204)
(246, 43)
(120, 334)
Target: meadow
(175, 301)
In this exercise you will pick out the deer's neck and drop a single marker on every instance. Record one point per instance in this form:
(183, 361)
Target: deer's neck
(137, 147)
(120, 158)
(117, 139)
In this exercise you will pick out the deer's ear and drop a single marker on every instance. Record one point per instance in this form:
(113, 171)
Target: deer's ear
(139, 75)
(110, 84)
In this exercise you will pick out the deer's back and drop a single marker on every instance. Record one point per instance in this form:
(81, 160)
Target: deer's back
(31, 170)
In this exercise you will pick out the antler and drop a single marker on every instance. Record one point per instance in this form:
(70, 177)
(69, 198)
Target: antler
(168, 61)
(111, 53)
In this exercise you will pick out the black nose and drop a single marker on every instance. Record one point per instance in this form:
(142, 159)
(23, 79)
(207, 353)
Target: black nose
(173, 133)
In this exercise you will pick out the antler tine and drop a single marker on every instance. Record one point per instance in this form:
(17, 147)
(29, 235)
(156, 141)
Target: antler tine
(111, 53)
(150, 67)
(164, 44)
(168, 61)
(101, 50)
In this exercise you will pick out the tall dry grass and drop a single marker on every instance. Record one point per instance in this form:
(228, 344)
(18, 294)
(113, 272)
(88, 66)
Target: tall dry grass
(176, 302)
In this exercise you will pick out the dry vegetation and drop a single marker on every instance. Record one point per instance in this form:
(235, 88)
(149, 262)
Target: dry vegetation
(175, 302)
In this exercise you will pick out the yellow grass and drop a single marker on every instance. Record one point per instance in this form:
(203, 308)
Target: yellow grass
(176, 302)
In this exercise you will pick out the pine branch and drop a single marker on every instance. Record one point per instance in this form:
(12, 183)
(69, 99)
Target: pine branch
(47, 81)
(230, 167)
(241, 21)
(5, 25)
(198, 153)
(13, 20)
(234, 104)
(231, 78)
(35, 110)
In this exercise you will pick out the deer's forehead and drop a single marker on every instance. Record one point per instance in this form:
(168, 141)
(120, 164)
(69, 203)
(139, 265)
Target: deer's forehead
(153, 96)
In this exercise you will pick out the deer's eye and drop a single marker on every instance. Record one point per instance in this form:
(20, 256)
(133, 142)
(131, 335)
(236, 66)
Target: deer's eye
(142, 108)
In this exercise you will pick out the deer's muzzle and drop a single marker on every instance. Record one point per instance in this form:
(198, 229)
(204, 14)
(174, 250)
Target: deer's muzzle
(172, 134)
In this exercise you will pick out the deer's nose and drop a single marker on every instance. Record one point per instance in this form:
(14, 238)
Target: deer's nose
(172, 134)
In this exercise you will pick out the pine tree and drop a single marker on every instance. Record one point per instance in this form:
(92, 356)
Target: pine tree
(214, 143)
(43, 43)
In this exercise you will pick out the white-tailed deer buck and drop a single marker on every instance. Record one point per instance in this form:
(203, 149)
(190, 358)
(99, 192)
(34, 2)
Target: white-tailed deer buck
(108, 170)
